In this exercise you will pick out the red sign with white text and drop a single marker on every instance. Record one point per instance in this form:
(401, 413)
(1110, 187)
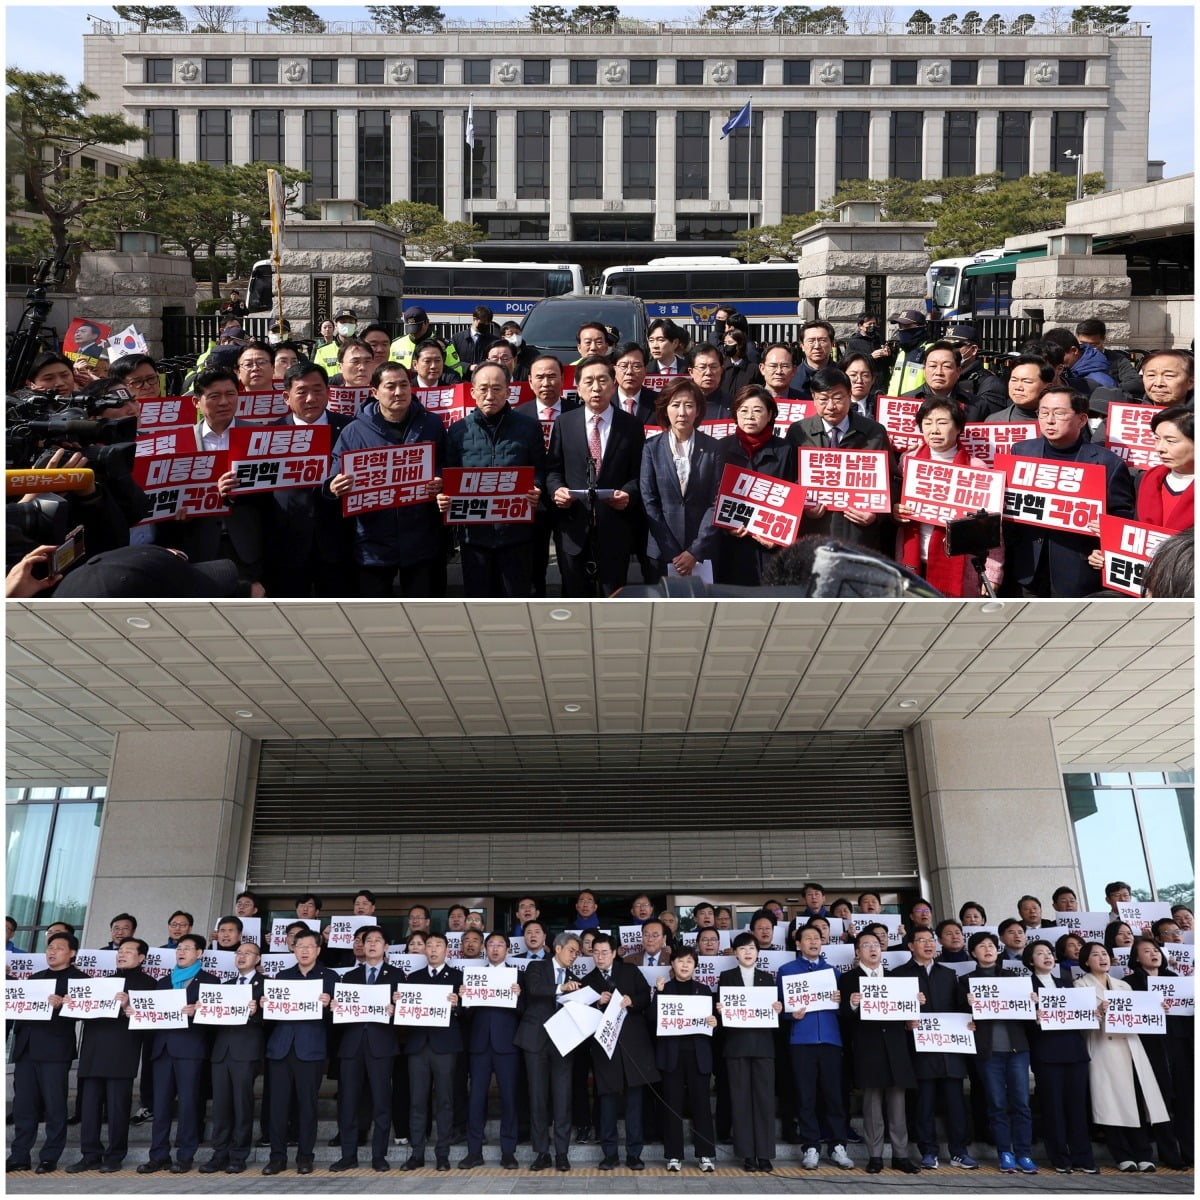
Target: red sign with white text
(939, 492)
(348, 401)
(1129, 435)
(165, 412)
(488, 495)
(1128, 546)
(898, 415)
(769, 508)
(1053, 495)
(261, 407)
(791, 411)
(841, 479)
(986, 439)
(387, 477)
(451, 403)
(282, 457)
(179, 482)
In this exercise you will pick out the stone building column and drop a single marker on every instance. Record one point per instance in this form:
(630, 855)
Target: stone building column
(826, 154)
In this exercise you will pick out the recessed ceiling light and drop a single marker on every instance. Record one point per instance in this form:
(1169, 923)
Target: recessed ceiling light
(242, 712)
(992, 606)
(572, 708)
(908, 704)
(560, 614)
(137, 622)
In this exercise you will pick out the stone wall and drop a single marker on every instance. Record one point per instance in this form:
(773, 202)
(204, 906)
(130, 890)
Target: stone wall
(1067, 288)
(119, 289)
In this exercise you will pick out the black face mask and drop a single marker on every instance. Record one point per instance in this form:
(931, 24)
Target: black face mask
(909, 339)
(719, 328)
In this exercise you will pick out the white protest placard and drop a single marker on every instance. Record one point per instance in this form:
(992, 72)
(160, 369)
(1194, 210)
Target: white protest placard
(348, 401)
(161, 1009)
(28, 999)
(749, 1008)
(1013, 966)
(454, 939)
(279, 931)
(839, 954)
(583, 966)
(653, 974)
(845, 479)
(293, 999)
(898, 415)
(251, 929)
(688, 937)
(88, 999)
(986, 439)
(890, 921)
(516, 945)
(220, 962)
(361, 1003)
(580, 995)
(397, 956)
(1179, 993)
(815, 991)
(489, 987)
(837, 928)
(940, 492)
(1129, 436)
(19, 965)
(223, 1004)
(1001, 999)
(1067, 1008)
(1140, 915)
(725, 939)
(423, 1004)
(892, 959)
(959, 968)
(343, 929)
(271, 964)
(1134, 1012)
(609, 1029)
(771, 960)
(631, 937)
(571, 1025)
(779, 937)
(678, 1016)
(1180, 958)
(1089, 925)
(387, 477)
(709, 969)
(1120, 961)
(944, 1033)
(160, 962)
(891, 998)
(96, 963)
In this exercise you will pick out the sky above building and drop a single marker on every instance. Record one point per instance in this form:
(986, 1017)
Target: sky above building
(49, 38)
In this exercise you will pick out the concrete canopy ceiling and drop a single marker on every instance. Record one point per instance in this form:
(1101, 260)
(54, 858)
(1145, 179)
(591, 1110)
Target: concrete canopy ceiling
(1116, 677)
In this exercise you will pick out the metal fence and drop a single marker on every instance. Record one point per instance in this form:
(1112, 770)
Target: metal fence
(191, 335)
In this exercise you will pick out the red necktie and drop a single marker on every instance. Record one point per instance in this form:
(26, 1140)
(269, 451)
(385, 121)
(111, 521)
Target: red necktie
(594, 443)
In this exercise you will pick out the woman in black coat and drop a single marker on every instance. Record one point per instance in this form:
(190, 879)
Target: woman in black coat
(1059, 1058)
(686, 1064)
(741, 557)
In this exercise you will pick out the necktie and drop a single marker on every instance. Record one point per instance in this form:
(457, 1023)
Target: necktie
(560, 976)
(835, 438)
(242, 979)
(652, 961)
(549, 414)
(371, 974)
(594, 443)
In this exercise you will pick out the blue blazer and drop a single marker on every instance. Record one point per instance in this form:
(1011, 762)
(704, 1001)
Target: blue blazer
(306, 1039)
(678, 522)
(440, 1041)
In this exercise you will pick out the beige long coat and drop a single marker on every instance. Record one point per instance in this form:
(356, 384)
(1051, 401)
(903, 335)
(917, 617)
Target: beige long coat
(1115, 1059)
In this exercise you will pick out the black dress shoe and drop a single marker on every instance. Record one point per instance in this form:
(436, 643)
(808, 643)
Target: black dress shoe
(44, 1168)
(562, 1163)
(84, 1164)
(765, 1166)
(540, 1163)
(443, 1164)
(344, 1164)
(235, 1168)
(155, 1164)
(634, 1163)
(180, 1168)
(305, 1168)
(907, 1166)
(272, 1168)
(336, 1140)
(749, 1166)
(108, 1168)
(264, 1143)
(73, 1120)
(874, 1166)
(469, 1161)
(413, 1164)
(212, 1167)
(508, 1162)
(13, 1165)
(380, 1164)
(608, 1162)
(584, 1135)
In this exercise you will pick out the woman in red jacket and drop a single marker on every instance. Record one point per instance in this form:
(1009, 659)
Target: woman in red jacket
(1166, 495)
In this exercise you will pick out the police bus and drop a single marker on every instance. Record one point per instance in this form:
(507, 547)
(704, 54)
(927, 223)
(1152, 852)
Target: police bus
(448, 291)
(979, 285)
(690, 290)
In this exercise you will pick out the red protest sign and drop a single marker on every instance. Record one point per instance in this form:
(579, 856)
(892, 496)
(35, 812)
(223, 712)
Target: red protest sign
(1053, 495)
(718, 429)
(986, 439)
(488, 495)
(842, 479)
(939, 492)
(387, 477)
(769, 508)
(791, 411)
(1128, 546)
(179, 482)
(1129, 434)
(451, 403)
(655, 383)
(278, 458)
(261, 407)
(898, 415)
(85, 338)
(348, 401)
(166, 412)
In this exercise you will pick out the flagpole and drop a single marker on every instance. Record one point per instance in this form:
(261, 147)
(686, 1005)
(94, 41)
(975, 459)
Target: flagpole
(750, 172)
(471, 157)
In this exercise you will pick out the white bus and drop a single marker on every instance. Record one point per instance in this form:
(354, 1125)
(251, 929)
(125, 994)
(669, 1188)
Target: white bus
(689, 291)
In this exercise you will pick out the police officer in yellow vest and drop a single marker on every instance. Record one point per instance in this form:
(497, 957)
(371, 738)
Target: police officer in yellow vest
(908, 370)
(346, 325)
(417, 330)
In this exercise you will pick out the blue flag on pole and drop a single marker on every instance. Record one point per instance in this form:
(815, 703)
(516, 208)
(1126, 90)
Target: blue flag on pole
(740, 120)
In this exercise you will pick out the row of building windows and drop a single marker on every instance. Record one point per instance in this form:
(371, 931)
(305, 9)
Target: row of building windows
(643, 72)
(639, 151)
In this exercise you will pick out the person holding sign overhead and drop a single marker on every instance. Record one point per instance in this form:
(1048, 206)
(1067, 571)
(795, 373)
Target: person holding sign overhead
(1123, 1088)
